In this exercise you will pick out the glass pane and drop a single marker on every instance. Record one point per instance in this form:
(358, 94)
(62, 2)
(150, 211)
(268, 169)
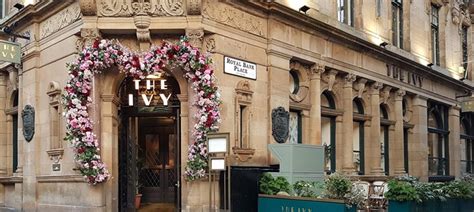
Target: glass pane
(356, 145)
(462, 129)
(293, 137)
(382, 147)
(325, 101)
(432, 121)
(464, 156)
(326, 139)
(433, 154)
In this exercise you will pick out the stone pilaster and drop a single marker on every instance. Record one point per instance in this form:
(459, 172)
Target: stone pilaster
(454, 141)
(373, 146)
(396, 147)
(315, 113)
(3, 122)
(347, 125)
(418, 142)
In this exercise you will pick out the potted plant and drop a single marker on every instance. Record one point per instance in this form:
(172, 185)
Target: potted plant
(337, 194)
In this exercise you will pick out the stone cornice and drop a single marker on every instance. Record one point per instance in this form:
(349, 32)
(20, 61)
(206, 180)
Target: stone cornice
(11, 180)
(60, 178)
(293, 17)
(34, 13)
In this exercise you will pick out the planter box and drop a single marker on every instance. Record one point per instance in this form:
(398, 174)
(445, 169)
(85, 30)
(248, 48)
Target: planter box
(300, 204)
(451, 205)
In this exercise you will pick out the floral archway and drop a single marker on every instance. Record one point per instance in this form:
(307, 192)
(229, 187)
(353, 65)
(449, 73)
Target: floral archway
(106, 53)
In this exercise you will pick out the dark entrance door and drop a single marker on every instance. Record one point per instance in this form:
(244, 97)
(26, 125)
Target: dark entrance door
(149, 154)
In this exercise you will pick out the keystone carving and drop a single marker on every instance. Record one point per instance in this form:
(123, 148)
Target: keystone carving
(330, 78)
(385, 94)
(88, 36)
(360, 87)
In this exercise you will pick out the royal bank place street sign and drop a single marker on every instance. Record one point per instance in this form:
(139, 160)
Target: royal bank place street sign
(10, 52)
(240, 68)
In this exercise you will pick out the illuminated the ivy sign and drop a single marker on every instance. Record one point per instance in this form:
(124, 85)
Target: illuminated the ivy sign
(149, 90)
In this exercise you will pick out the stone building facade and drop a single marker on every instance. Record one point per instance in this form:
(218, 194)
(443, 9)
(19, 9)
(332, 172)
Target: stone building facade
(385, 85)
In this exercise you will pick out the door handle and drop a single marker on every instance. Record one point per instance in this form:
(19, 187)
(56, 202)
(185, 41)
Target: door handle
(177, 184)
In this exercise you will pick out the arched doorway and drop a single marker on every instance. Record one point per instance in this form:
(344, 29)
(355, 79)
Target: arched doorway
(148, 144)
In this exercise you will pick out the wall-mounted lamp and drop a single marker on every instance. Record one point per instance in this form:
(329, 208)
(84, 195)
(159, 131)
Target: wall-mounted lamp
(304, 9)
(383, 44)
(9, 30)
(18, 6)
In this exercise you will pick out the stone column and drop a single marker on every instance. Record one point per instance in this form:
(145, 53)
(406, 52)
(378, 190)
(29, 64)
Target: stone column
(396, 147)
(454, 141)
(373, 147)
(347, 125)
(418, 142)
(315, 113)
(3, 122)
(108, 145)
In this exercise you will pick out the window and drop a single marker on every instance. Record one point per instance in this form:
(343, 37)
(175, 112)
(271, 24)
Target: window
(467, 144)
(328, 130)
(295, 127)
(345, 11)
(397, 23)
(294, 82)
(358, 135)
(437, 140)
(2, 8)
(464, 49)
(15, 132)
(435, 34)
(384, 130)
(406, 127)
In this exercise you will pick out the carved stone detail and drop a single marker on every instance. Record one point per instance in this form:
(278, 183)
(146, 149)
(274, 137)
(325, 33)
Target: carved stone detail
(460, 14)
(330, 78)
(317, 69)
(234, 17)
(88, 7)
(128, 8)
(55, 155)
(400, 93)
(195, 37)
(280, 124)
(142, 22)
(244, 93)
(60, 20)
(88, 36)
(28, 117)
(210, 45)
(385, 94)
(54, 92)
(349, 79)
(360, 87)
(194, 7)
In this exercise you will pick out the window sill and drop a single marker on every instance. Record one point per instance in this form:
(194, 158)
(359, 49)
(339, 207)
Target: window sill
(11, 180)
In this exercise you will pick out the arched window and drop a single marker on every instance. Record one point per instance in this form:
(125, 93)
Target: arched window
(358, 135)
(438, 163)
(328, 130)
(467, 144)
(384, 130)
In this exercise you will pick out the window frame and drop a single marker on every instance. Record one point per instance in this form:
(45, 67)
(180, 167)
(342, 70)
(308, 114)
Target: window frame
(345, 12)
(434, 21)
(466, 120)
(361, 123)
(397, 22)
(328, 112)
(440, 112)
(384, 124)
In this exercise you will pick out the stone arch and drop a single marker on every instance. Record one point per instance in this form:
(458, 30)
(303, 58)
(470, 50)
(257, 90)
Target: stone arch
(334, 96)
